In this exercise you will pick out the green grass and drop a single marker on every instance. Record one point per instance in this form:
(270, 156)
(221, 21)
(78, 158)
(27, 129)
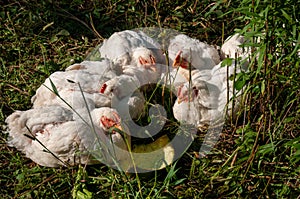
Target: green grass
(257, 156)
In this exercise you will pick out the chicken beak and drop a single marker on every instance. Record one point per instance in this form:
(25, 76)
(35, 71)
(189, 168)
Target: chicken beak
(179, 100)
(185, 99)
(118, 126)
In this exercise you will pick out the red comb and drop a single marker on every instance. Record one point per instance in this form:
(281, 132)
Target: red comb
(103, 87)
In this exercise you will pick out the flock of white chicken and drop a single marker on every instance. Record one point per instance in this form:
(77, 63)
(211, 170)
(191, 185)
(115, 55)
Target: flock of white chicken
(74, 119)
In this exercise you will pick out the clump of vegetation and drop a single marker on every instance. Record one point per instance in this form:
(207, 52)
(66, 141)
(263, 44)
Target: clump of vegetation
(257, 156)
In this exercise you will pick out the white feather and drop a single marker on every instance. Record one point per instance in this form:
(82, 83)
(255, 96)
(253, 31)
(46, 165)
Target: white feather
(199, 54)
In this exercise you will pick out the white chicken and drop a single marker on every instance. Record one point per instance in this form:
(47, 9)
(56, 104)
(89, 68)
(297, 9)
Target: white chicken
(135, 78)
(123, 93)
(143, 57)
(208, 95)
(49, 129)
(185, 51)
(230, 97)
(92, 130)
(119, 48)
(113, 149)
(66, 86)
(50, 136)
(105, 67)
(197, 104)
(232, 48)
(220, 75)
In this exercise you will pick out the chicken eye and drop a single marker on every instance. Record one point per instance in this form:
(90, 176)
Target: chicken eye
(196, 91)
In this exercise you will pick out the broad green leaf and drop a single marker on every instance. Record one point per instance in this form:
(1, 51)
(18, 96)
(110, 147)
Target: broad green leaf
(227, 62)
(239, 84)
